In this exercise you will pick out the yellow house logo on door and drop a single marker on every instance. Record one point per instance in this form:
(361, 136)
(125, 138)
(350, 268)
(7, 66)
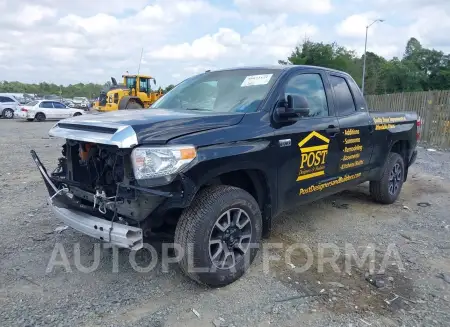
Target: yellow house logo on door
(313, 157)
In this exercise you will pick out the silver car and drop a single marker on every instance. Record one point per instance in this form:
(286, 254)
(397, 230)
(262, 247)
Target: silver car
(9, 106)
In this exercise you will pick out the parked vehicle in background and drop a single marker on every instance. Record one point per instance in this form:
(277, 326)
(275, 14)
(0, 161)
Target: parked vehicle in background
(8, 106)
(69, 103)
(81, 103)
(47, 110)
(134, 93)
(52, 97)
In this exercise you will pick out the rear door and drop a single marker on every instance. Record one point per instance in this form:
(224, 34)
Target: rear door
(307, 145)
(356, 138)
(61, 111)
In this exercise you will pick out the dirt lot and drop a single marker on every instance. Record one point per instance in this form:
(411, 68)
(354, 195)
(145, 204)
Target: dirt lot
(271, 293)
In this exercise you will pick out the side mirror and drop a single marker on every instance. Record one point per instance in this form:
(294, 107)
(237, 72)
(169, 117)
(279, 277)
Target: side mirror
(294, 106)
(154, 81)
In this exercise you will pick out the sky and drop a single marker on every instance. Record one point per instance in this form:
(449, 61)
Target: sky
(67, 41)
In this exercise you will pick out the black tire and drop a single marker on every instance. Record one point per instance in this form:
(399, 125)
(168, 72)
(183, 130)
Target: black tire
(133, 105)
(195, 228)
(388, 188)
(8, 113)
(39, 116)
(77, 114)
(30, 119)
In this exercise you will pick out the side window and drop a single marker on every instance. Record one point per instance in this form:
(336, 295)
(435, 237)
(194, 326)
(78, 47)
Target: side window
(58, 105)
(46, 104)
(309, 86)
(6, 100)
(143, 85)
(345, 105)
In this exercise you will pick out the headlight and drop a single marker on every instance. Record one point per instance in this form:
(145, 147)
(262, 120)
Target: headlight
(157, 162)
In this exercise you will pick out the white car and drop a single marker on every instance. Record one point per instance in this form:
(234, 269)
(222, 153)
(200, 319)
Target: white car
(47, 109)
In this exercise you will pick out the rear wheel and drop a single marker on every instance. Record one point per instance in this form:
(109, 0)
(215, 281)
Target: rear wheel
(39, 116)
(8, 113)
(220, 234)
(388, 188)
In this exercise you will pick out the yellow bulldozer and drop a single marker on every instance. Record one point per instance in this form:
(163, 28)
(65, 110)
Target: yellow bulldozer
(134, 93)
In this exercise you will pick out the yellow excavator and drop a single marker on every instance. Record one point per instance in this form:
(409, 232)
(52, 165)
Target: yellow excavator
(134, 93)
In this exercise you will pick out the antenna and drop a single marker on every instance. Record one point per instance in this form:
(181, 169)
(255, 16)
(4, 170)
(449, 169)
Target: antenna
(139, 68)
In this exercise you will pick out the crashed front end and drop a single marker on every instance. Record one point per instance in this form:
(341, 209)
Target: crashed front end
(94, 188)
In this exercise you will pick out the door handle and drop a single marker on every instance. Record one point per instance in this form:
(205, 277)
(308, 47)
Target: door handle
(332, 130)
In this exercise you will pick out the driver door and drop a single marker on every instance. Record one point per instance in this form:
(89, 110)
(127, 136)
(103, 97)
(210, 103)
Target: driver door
(48, 109)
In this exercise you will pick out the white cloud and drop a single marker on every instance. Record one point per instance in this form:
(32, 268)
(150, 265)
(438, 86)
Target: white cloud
(66, 41)
(277, 38)
(98, 24)
(271, 41)
(426, 20)
(34, 13)
(355, 25)
(71, 45)
(208, 47)
(432, 27)
(284, 6)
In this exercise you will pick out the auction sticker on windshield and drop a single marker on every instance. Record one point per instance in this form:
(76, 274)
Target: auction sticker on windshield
(256, 80)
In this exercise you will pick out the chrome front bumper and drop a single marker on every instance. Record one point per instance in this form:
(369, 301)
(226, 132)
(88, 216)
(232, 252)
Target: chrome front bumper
(117, 234)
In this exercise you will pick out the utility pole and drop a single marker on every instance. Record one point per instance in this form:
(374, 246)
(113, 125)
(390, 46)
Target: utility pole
(140, 60)
(365, 52)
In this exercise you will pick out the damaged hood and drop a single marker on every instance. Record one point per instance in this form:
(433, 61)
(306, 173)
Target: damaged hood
(128, 128)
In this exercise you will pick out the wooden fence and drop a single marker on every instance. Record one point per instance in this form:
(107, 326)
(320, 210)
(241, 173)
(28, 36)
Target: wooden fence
(433, 107)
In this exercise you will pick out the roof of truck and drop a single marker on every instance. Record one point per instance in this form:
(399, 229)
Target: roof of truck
(280, 67)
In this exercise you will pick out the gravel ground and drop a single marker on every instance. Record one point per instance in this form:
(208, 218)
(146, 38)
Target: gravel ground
(271, 293)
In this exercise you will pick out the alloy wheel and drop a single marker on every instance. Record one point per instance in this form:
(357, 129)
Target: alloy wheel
(395, 179)
(230, 238)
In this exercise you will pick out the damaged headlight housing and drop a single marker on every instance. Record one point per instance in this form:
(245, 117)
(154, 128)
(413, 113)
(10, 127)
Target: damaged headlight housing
(161, 163)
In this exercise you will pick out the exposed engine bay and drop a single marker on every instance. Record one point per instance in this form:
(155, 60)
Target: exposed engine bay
(101, 176)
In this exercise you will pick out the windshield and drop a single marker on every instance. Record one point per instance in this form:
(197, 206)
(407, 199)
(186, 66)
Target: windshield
(32, 103)
(240, 90)
(79, 99)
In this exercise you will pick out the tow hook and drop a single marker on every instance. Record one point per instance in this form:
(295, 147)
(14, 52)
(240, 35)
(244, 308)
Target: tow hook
(100, 198)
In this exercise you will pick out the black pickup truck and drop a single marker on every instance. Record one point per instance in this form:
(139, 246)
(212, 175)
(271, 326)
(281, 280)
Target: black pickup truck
(217, 158)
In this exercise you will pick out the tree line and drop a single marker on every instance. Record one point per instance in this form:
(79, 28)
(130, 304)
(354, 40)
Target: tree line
(89, 90)
(419, 69)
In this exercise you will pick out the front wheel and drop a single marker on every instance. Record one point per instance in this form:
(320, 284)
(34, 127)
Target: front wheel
(220, 234)
(388, 188)
(77, 114)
